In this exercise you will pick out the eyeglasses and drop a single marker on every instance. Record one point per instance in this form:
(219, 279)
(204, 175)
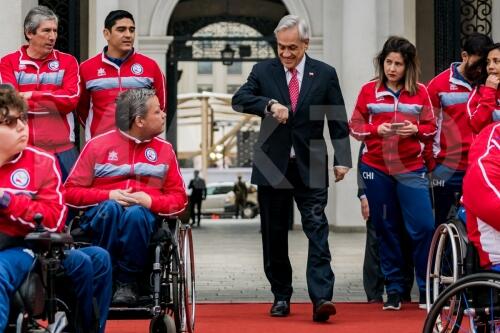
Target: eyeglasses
(11, 122)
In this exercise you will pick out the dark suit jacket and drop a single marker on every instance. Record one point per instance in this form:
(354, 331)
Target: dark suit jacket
(320, 95)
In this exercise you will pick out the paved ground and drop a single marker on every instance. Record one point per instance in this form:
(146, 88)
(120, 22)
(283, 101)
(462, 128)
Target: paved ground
(228, 260)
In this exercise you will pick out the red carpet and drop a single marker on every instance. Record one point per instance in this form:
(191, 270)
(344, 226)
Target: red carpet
(253, 318)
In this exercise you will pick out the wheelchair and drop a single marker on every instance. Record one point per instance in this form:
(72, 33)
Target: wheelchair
(472, 304)
(460, 296)
(35, 306)
(447, 262)
(167, 290)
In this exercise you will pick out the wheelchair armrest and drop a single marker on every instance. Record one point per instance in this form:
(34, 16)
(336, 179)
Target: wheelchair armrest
(42, 241)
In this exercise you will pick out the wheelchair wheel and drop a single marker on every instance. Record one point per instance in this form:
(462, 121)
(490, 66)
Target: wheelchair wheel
(162, 324)
(175, 287)
(445, 260)
(188, 277)
(470, 305)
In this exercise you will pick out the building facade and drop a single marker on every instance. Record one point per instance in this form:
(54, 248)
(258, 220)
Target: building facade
(344, 33)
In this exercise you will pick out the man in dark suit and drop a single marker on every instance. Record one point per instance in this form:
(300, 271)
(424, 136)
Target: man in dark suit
(198, 194)
(293, 94)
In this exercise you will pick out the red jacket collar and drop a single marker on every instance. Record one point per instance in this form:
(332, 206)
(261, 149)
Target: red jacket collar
(26, 59)
(128, 137)
(381, 90)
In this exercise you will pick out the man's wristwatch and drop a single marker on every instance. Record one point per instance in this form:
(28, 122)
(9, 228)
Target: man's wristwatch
(269, 104)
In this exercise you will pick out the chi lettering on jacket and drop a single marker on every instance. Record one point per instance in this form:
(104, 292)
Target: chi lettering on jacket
(368, 175)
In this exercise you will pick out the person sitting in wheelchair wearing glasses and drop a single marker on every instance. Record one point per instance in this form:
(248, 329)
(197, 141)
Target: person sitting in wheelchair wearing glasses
(30, 184)
(124, 179)
(481, 196)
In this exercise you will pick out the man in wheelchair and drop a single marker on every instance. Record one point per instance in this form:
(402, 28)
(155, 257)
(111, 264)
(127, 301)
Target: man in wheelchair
(481, 196)
(30, 183)
(125, 178)
(471, 302)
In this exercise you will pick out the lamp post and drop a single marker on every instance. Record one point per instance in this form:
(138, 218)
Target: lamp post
(227, 55)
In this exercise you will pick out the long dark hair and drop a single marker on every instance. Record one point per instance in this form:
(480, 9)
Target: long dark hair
(409, 53)
(484, 64)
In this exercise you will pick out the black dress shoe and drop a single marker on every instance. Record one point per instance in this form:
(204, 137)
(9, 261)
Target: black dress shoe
(280, 309)
(323, 309)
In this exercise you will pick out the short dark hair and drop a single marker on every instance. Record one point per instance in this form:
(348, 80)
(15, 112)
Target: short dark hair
(114, 16)
(476, 44)
(131, 104)
(10, 99)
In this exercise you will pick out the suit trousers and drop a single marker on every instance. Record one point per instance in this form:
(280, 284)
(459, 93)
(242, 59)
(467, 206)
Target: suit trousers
(373, 279)
(275, 213)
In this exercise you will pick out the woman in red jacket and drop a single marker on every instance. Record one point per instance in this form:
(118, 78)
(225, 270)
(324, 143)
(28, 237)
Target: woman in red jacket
(483, 105)
(394, 117)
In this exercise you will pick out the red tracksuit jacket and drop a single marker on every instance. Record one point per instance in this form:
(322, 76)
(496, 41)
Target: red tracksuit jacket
(115, 160)
(483, 107)
(449, 96)
(102, 82)
(481, 196)
(392, 155)
(56, 90)
(33, 183)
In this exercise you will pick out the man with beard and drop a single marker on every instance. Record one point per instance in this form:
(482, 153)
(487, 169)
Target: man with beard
(449, 92)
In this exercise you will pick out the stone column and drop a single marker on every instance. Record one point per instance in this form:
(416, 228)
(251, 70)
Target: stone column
(495, 20)
(155, 47)
(12, 19)
(357, 48)
(98, 10)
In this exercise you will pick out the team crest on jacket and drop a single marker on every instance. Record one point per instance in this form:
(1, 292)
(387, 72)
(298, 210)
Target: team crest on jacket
(54, 65)
(112, 156)
(137, 69)
(151, 155)
(20, 178)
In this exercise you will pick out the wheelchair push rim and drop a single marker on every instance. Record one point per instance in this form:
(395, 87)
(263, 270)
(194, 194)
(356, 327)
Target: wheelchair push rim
(470, 305)
(188, 278)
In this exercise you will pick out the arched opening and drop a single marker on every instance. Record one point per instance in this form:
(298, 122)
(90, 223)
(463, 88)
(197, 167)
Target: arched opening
(201, 29)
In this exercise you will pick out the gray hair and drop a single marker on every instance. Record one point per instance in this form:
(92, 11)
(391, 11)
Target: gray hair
(35, 16)
(291, 21)
(130, 105)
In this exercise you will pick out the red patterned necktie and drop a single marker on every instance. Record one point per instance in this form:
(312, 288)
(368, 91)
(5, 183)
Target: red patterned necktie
(293, 89)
